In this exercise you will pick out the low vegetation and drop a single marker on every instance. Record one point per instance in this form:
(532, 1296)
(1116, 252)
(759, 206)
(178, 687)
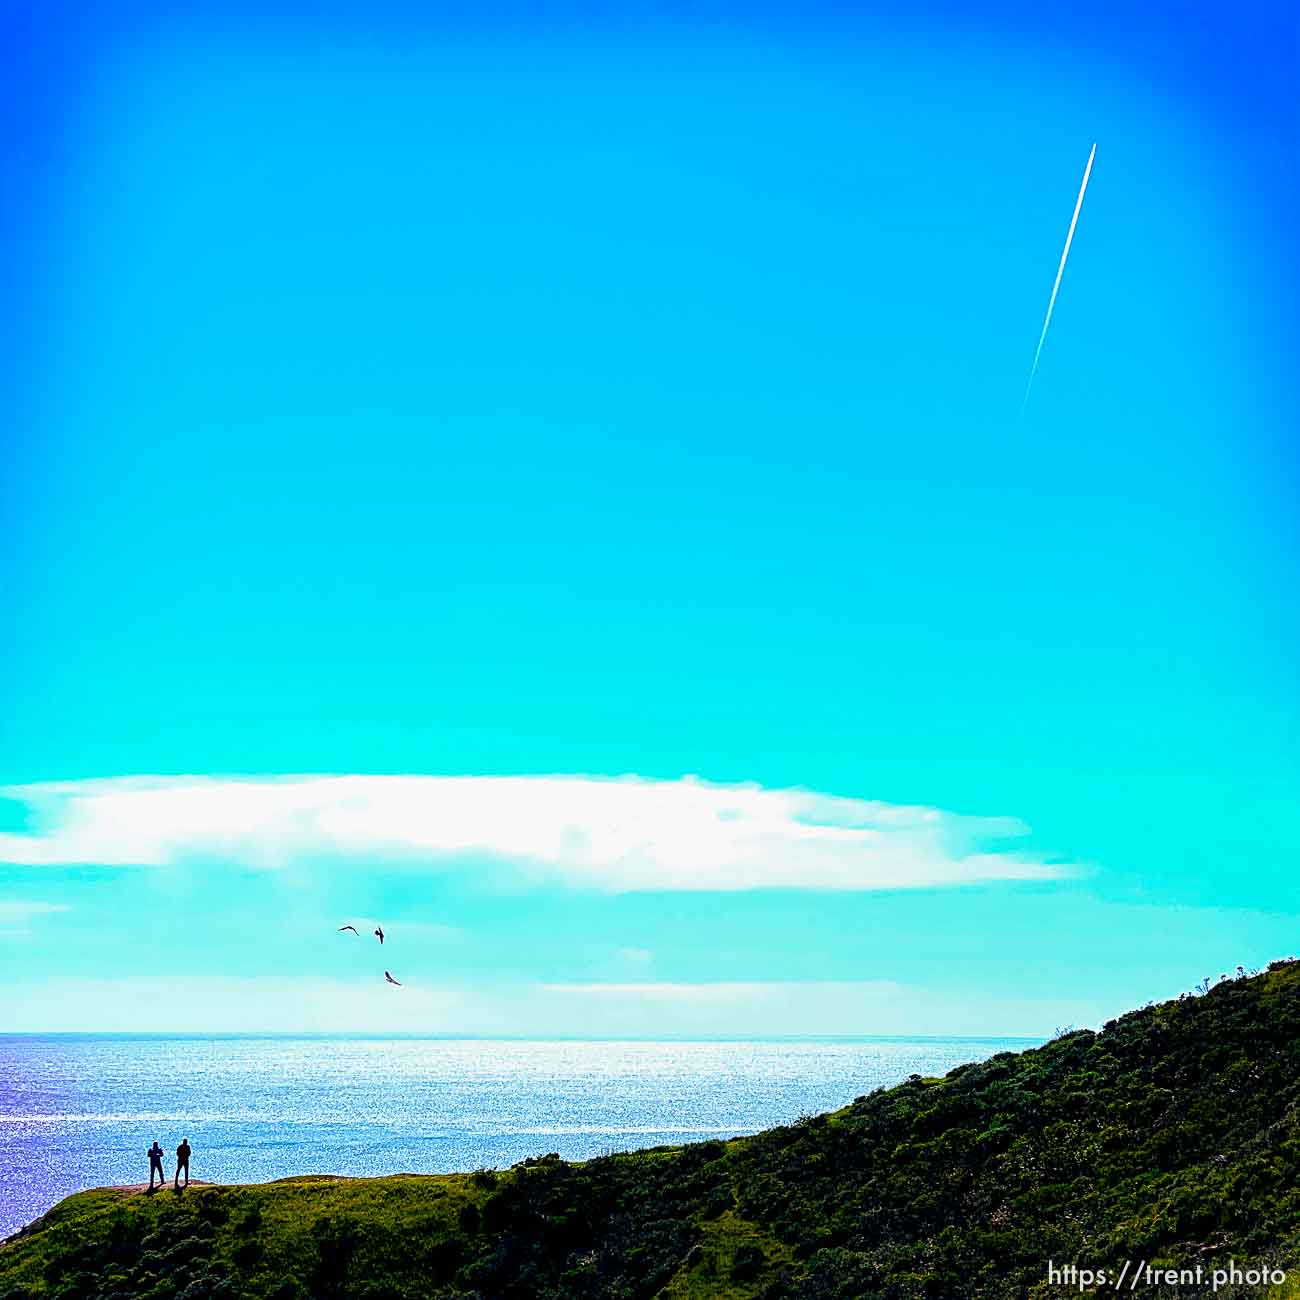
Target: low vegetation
(1171, 1137)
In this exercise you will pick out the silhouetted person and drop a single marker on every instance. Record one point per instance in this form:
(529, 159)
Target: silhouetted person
(182, 1162)
(156, 1165)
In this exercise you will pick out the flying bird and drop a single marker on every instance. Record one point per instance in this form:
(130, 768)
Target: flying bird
(379, 933)
(353, 928)
(391, 980)
(1060, 270)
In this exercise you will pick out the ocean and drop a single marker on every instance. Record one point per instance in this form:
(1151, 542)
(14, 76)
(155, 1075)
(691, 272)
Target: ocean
(79, 1111)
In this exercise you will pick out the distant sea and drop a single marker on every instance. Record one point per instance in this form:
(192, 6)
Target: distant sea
(79, 1111)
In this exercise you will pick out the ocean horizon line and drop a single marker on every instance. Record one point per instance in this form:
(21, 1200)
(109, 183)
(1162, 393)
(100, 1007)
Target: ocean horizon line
(128, 1035)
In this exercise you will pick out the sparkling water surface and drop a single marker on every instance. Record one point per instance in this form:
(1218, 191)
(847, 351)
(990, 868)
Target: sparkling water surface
(80, 1111)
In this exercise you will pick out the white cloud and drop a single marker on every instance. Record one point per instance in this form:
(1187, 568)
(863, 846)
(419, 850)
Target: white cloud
(719, 993)
(614, 834)
(635, 957)
(16, 916)
(214, 1004)
(15, 910)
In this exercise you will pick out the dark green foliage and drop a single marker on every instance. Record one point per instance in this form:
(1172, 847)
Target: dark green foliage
(247, 1254)
(337, 1241)
(207, 1287)
(1173, 1135)
(212, 1209)
(748, 1263)
(250, 1221)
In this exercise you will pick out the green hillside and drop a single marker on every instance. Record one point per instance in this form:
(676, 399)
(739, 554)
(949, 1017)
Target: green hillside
(1170, 1138)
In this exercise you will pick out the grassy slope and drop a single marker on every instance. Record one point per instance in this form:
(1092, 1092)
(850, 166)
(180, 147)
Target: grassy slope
(1172, 1136)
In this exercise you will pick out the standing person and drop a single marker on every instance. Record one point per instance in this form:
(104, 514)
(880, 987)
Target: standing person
(183, 1162)
(156, 1165)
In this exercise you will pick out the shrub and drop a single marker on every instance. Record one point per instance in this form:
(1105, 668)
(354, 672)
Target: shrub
(747, 1263)
(248, 1254)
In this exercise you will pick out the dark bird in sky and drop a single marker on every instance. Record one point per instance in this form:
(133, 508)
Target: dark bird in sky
(379, 933)
(353, 928)
(391, 980)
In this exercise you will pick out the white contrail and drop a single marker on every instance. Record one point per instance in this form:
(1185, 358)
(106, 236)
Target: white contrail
(1051, 302)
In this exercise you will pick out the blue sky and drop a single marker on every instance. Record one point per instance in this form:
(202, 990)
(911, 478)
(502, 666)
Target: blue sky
(545, 393)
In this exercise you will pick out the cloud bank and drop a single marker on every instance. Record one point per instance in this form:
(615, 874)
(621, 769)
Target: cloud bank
(613, 834)
(16, 916)
(18, 910)
(210, 1004)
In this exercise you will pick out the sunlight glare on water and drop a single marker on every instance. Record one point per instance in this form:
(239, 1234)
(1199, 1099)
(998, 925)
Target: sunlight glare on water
(80, 1111)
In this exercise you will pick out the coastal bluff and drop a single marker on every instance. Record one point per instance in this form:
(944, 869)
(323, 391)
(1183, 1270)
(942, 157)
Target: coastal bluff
(1171, 1137)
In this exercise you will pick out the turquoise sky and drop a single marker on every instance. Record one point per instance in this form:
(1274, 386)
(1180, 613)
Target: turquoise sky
(549, 393)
